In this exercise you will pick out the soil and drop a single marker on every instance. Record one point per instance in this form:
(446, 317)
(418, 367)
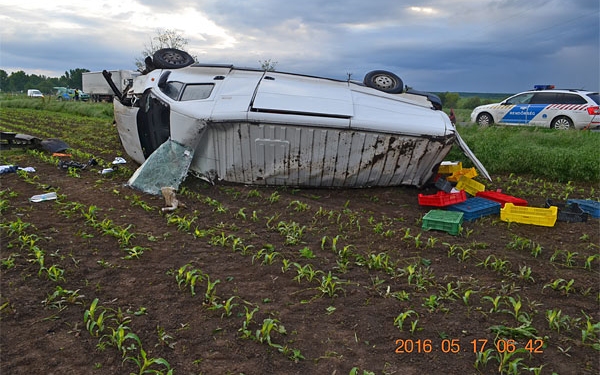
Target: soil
(353, 328)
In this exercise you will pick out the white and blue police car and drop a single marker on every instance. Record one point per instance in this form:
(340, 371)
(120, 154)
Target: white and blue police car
(543, 106)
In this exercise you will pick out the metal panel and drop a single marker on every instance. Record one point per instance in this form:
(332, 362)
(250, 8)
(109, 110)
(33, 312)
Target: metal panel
(319, 157)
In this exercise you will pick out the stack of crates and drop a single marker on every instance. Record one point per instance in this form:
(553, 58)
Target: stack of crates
(469, 185)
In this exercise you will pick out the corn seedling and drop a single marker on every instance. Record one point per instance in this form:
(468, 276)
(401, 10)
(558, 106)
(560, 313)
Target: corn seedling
(401, 318)
(221, 240)
(561, 285)
(274, 197)
(211, 288)
(145, 364)
(298, 206)
(482, 359)
(61, 297)
(94, 319)
(292, 232)
(590, 331)
(164, 339)
(590, 260)
(556, 320)
(307, 253)
(525, 273)
(431, 303)
(330, 285)
(269, 325)
(305, 272)
(496, 301)
(249, 314)
(55, 273)
(188, 276)
(227, 306)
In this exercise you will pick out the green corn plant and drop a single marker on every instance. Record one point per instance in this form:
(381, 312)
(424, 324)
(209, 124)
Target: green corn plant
(292, 232)
(589, 260)
(482, 358)
(211, 288)
(134, 252)
(401, 318)
(245, 329)
(227, 306)
(496, 301)
(263, 335)
(274, 197)
(307, 253)
(118, 337)
(188, 276)
(432, 302)
(60, 297)
(305, 272)
(330, 285)
(55, 273)
(556, 320)
(298, 206)
(95, 324)
(145, 364)
(591, 331)
(525, 273)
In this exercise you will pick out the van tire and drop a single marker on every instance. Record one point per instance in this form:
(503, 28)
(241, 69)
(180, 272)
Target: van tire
(171, 58)
(384, 81)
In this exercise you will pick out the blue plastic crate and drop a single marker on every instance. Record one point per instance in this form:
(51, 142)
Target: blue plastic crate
(474, 208)
(587, 205)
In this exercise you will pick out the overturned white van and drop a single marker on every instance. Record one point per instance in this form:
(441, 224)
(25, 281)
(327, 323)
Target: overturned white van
(251, 126)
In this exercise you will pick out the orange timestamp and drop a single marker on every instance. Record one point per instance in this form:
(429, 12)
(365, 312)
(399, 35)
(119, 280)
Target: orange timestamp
(407, 346)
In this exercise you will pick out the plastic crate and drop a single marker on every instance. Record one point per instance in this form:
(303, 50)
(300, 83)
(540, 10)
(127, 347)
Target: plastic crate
(589, 206)
(529, 215)
(447, 221)
(468, 172)
(449, 167)
(570, 212)
(442, 199)
(469, 185)
(474, 208)
(443, 185)
(501, 198)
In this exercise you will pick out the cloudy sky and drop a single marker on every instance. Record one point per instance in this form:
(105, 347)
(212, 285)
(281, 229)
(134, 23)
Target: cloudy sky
(501, 46)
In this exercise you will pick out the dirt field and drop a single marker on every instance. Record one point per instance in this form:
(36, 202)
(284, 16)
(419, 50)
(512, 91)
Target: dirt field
(286, 281)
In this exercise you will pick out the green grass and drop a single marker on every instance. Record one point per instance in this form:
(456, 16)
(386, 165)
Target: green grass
(545, 153)
(49, 103)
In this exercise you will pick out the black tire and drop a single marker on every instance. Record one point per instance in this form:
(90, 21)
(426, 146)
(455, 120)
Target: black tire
(485, 119)
(171, 58)
(384, 81)
(562, 123)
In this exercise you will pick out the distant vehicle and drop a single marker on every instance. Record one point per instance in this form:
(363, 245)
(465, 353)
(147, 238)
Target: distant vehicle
(96, 86)
(64, 93)
(33, 93)
(258, 127)
(544, 106)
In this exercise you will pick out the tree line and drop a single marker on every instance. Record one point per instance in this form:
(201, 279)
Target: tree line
(20, 82)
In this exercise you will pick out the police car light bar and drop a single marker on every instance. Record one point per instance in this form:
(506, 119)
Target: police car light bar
(543, 87)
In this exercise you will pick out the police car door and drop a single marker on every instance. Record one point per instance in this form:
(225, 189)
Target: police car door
(517, 115)
(540, 101)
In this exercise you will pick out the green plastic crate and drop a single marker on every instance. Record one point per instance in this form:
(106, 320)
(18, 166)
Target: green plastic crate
(447, 221)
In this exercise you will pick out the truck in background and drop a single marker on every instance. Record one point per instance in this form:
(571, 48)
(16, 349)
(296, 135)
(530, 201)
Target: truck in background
(95, 84)
(34, 93)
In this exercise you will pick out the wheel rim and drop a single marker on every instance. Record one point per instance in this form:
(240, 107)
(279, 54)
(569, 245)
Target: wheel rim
(562, 124)
(384, 82)
(484, 120)
(173, 58)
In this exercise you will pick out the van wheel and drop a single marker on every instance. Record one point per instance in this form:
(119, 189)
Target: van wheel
(171, 58)
(485, 119)
(562, 123)
(384, 81)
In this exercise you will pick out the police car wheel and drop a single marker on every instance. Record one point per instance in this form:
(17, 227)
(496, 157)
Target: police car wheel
(485, 119)
(562, 123)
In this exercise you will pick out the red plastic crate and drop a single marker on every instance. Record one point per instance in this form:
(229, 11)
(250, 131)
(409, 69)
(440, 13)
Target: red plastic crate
(502, 198)
(442, 199)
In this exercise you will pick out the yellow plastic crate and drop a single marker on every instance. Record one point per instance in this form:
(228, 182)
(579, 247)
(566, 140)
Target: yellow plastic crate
(545, 217)
(470, 186)
(449, 167)
(467, 172)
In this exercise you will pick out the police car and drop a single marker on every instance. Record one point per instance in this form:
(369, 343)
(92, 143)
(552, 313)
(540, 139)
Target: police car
(543, 106)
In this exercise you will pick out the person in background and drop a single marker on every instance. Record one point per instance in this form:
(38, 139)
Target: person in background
(76, 94)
